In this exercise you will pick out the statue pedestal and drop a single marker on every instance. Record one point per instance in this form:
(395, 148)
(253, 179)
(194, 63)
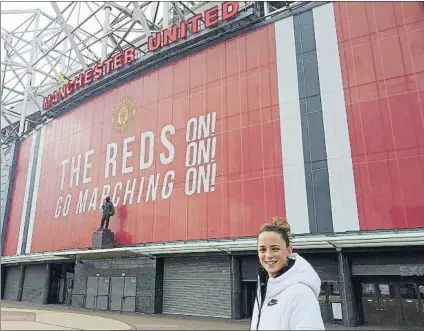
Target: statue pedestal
(102, 238)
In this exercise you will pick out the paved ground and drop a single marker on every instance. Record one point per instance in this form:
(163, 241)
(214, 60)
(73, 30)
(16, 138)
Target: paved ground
(29, 316)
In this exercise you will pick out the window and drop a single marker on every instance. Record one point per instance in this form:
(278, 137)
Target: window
(368, 290)
(386, 290)
(334, 288)
(407, 291)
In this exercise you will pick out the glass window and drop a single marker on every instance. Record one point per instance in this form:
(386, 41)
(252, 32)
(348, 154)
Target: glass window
(386, 290)
(368, 290)
(407, 291)
(335, 290)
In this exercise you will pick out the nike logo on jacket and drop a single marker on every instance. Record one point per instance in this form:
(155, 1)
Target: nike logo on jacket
(291, 300)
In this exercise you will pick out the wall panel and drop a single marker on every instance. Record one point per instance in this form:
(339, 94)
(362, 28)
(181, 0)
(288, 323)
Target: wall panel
(381, 52)
(144, 144)
(17, 203)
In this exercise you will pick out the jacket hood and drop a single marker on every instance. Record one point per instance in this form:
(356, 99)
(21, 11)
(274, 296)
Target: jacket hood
(301, 272)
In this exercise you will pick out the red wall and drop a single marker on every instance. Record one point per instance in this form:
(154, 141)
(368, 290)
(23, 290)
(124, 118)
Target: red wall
(18, 195)
(381, 47)
(237, 80)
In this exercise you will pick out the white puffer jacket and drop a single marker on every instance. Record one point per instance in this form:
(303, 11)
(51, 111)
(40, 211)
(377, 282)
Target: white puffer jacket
(291, 300)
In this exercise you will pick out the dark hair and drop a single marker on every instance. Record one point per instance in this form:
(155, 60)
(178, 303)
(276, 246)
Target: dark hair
(107, 199)
(278, 225)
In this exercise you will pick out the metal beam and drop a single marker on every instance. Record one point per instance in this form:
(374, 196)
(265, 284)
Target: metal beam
(95, 17)
(68, 33)
(11, 112)
(129, 13)
(10, 124)
(3, 157)
(14, 91)
(57, 43)
(178, 10)
(29, 74)
(89, 42)
(123, 38)
(21, 66)
(13, 48)
(18, 11)
(138, 16)
(3, 73)
(18, 82)
(46, 31)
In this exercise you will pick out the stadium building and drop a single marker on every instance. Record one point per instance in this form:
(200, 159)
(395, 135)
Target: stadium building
(225, 115)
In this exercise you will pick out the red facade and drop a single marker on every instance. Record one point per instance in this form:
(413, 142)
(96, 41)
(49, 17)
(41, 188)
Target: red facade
(381, 48)
(237, 80)
(222, 103)
(18, 196)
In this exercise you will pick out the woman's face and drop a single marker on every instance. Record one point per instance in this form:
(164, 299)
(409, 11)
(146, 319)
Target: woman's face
(273, 252)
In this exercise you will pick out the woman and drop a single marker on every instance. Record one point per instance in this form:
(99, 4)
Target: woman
(288, 287)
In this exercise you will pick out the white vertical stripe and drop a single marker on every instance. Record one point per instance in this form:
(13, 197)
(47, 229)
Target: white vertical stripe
(27, 185)
(290, 127)
(35, 191)
(340, 170)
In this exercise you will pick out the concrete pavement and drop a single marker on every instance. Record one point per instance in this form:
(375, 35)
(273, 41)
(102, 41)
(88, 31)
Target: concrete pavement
(20, 316)
(30, 316)
(35, 319)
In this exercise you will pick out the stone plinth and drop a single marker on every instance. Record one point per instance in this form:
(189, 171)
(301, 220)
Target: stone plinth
(102, 238)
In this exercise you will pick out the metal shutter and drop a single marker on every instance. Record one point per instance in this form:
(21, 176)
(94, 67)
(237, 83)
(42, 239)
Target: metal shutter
(34, 283)
(12, 283)
(198, 286)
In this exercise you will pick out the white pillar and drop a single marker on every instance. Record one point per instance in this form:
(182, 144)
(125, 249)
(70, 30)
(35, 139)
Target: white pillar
(266, 8)
(165, 24)
(106, 27)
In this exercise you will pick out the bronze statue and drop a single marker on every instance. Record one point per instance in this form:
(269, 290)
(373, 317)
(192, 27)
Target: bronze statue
(108, 211)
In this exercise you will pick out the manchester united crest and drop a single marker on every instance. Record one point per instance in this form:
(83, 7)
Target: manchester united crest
(123, 114)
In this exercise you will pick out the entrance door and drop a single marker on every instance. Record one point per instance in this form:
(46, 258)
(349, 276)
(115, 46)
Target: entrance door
(57, 290)
(249, 298)
(379, 303)
(324, 302)
(54, 290)
(90, 296)
(97, 295)
(123, 293)
(421, 301)
(116, 293)
(370, 304)
(102, 293)
(412, 298)
(130, 288)
(387, 304)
